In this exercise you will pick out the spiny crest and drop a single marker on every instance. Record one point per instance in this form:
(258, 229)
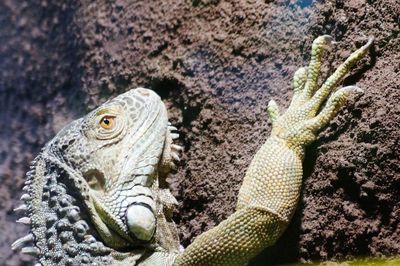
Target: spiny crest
(59, 234)
(26, 243)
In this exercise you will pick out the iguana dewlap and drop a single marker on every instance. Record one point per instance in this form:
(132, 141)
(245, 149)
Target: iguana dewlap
(96, 194)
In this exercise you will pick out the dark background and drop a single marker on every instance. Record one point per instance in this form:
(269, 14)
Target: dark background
(216, 64)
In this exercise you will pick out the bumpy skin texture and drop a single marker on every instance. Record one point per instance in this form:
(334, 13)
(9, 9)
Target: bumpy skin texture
(96, 193)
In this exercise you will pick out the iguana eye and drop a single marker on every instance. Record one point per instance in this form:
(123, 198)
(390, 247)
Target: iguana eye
(107, 122)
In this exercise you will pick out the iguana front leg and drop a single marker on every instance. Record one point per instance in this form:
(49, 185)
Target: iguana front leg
(271, 187)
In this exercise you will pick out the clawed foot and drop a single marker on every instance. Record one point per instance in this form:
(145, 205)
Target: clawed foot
(301, 121)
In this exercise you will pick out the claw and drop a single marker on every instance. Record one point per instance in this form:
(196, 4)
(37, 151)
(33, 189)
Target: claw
(369, 43)
(172, 128)
(326, 41)
(354, 89)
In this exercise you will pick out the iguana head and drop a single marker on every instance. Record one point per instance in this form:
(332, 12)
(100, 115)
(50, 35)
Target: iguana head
(108, 162)
(116, 150)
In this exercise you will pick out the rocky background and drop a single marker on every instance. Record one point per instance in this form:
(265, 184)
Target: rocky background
(216, 64)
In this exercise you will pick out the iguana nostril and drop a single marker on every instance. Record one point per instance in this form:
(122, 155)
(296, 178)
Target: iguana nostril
(141, 221)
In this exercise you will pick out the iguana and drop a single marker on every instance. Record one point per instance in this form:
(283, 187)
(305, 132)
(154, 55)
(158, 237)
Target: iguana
(96, 194)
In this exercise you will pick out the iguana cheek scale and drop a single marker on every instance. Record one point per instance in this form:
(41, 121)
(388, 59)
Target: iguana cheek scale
(96, 194)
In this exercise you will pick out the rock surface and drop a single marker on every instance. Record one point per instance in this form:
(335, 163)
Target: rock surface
(216, 65)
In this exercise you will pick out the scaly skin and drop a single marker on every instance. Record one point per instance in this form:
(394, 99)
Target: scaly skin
(96, 192)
